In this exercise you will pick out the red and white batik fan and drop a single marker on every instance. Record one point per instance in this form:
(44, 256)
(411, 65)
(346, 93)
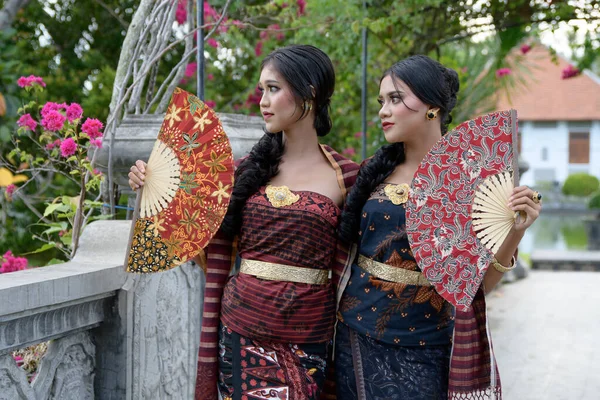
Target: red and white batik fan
(457, 213)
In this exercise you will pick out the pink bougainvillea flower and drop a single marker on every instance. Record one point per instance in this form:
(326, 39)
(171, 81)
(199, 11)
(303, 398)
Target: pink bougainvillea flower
(258, 48)
(91, 127)
(525, 48)
(254, 98)
(27, 122)
(358, 135)
(12, 263)
(210, 77)
(301, 7)
(27, 81)
(349, 151)
(181, 13)
(503, 72)
(97, 172)
(96, 143)
(53, 121)
(212, 43)
(23, 81)
(190, 69)
(238, 23)
(210, 103)
(49, 106)
(10, 189)
(210, 13)
(570, 72)
(74, 112)
(68, 147)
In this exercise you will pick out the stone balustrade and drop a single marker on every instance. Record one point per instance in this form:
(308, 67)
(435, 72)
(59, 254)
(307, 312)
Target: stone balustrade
(113, 335)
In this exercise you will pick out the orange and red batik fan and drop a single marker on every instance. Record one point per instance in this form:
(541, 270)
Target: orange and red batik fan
(189, 178)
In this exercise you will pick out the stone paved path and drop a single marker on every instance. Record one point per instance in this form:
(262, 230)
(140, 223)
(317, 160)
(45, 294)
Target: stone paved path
(546, 333)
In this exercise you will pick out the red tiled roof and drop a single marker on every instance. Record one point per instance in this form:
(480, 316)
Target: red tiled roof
(548, 97)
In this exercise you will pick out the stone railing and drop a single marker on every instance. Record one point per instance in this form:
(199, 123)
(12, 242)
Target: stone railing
(114, 335)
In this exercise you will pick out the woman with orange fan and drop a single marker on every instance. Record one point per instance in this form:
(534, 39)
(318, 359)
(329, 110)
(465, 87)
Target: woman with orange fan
(267, 330)
(397, 320)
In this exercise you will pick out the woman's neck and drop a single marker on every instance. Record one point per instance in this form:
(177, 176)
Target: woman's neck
(300, 141)
(415, 150)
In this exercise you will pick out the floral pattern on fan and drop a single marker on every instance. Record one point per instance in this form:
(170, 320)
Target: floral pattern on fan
(189, 178)
(439, 211)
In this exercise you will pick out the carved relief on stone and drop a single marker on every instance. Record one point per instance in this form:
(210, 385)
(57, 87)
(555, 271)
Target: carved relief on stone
(67, 369)
(165, 334)
(13, 381)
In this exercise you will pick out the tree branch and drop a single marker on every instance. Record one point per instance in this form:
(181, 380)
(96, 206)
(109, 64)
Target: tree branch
(9, 11)
(112, 12)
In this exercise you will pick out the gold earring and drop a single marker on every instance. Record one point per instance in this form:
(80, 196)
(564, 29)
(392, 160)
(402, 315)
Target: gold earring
(307, 106)
(431, 115)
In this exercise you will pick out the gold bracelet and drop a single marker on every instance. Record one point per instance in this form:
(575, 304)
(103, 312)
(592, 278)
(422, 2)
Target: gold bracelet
(501, 268)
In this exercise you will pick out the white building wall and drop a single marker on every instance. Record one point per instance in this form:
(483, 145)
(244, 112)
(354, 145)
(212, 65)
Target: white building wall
(545, 147)
(595, 149)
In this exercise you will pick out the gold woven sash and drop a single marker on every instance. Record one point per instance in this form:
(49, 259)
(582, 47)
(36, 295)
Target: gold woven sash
(281, 272)
(392, 274)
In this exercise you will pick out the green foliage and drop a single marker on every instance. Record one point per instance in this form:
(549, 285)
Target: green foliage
(59, 151)
(580, 184)
(575, 236)
(594, 203)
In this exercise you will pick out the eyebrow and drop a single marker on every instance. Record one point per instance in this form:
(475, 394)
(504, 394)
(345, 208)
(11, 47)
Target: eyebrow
(391, 93)
(270, 81)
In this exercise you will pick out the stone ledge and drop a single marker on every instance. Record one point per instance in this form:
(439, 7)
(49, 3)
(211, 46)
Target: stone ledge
(96, 269)
(556, 260)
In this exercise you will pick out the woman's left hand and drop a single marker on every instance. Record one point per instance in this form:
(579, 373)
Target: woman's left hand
(521, 200)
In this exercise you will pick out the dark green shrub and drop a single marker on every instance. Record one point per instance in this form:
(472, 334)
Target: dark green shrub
(595, 201)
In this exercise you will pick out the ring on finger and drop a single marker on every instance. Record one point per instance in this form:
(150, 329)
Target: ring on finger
(536, 197)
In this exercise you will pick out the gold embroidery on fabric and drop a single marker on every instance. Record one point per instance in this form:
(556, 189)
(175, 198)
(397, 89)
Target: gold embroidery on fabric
(398, 194)
(392, 274)
(281, 196)
(282, 272)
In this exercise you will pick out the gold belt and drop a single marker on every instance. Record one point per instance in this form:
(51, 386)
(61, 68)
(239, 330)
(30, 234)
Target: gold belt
(281, 272)
(392, 274)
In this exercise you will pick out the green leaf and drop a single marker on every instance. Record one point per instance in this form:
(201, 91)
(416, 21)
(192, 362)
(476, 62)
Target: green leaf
(55, 261)
(74, 172)
(56, 227)
(67, 239)
(92, 203)
(100, 217)
(51, 208)
(45, 247)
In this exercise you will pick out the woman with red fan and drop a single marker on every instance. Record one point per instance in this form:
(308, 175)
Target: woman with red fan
(267, 330)
(395, 332)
